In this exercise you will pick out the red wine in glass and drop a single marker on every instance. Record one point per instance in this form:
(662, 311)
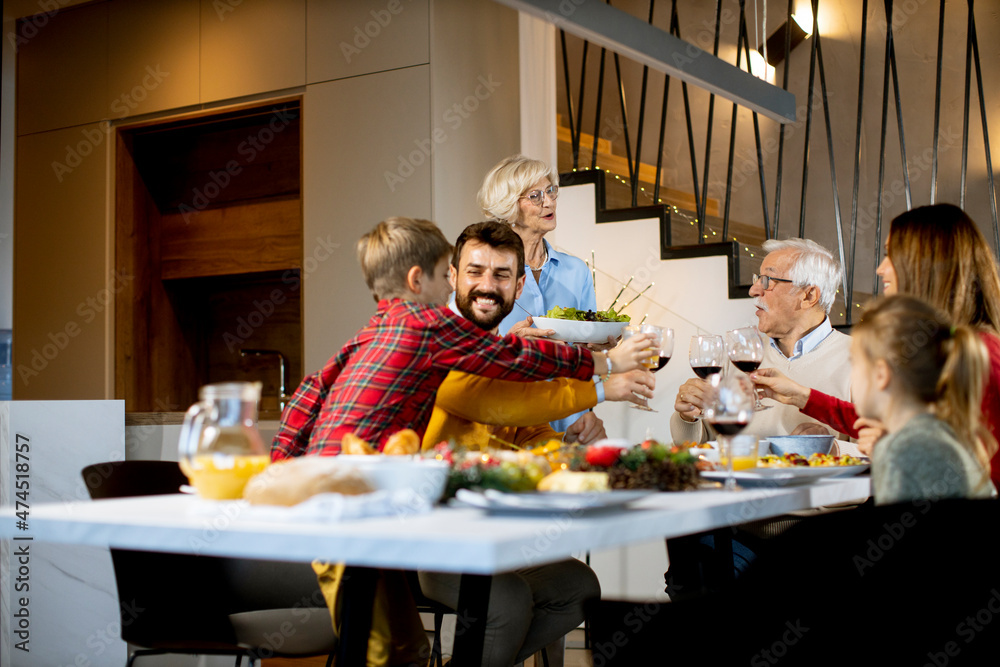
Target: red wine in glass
(728, 426)
(662, 362)
(704, 371)
(747, 365)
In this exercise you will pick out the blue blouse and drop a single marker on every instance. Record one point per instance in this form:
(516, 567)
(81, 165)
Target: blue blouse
(565, 281)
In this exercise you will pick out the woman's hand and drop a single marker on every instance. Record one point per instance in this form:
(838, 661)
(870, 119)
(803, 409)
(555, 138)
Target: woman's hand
(870, 431)
(626, 357)
(691, 399)
(777, 386)
(631, 386)
(604, 347)
(525, 329)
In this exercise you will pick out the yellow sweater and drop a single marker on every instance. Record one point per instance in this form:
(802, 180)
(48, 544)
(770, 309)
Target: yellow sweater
(469, 409)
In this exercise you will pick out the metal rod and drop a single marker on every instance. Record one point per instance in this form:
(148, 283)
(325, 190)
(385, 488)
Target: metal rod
(663, 122)
(579, 111)
(711, 115)
(805, 143)
(597, 111)
(986, 132)
(642, 121)
(621, 99)
(574, 140)
(965, 117)
(756, 131)
(881, 152)
(899, 123)
(732, 159)
(781, 128)
(675, 29)
(620, 292)
(833, 166)
(849, 295)
(937, 103)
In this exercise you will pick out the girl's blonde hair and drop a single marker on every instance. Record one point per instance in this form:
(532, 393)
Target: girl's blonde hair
(936, 363)
(507, 182)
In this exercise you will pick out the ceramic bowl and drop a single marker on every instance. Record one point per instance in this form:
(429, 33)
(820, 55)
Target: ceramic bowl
(575, 331)
(427, 477)
(803, 445)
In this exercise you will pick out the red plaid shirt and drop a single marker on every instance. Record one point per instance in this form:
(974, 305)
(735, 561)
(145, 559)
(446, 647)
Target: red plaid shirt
(386, 377)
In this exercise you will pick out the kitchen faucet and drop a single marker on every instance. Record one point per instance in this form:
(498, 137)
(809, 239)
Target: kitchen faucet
(282, 396)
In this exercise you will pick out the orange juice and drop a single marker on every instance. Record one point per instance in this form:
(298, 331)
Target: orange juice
(220, 476)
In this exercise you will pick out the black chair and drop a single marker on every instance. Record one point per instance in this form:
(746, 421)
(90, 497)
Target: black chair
(906, 584)
(204, 605)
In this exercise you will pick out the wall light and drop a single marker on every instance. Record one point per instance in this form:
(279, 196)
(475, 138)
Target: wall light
(800, 28)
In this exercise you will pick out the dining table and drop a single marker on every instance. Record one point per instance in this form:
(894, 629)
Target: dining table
(472, 541)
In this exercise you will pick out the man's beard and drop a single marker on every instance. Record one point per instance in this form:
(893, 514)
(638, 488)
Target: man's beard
(466, 306)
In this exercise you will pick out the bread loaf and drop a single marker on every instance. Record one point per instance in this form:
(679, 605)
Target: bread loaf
(292, 481)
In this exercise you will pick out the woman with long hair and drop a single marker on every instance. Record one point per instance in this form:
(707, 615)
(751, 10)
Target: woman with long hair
(938, 254)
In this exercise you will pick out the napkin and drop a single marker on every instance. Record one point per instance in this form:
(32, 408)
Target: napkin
(324, 507)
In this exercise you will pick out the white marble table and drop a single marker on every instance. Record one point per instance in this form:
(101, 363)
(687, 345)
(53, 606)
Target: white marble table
(447, 539)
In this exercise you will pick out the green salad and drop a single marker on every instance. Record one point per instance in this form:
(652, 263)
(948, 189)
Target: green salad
(608, 315)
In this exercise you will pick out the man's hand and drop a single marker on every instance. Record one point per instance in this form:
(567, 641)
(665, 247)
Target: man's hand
(585, 430)
(810, 428)
(774, 385)
(631, 386)
(870, 431)
(525, 329)
(691, 398)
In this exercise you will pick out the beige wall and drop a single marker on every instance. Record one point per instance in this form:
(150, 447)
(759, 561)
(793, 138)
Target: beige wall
(379, 78)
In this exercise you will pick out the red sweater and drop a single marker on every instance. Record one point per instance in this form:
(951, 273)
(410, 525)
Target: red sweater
(841, 414)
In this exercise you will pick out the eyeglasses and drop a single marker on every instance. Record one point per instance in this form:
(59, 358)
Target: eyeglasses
(537, 197)
(765, 281)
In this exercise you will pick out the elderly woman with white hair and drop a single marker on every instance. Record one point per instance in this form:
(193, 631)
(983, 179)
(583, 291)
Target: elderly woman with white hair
(794, 293)
(522, 192)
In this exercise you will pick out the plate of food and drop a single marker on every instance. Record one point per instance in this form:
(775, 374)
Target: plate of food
(547, 502)
(582, 326)
(787, 470)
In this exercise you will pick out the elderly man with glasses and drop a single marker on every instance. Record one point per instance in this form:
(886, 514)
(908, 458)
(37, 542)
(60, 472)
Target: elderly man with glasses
(793, 294)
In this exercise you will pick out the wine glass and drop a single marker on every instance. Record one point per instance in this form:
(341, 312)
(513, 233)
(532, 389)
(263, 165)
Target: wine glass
(666, 348)
(746, 352)
(729, 409)
(707, 355)
(653, 361)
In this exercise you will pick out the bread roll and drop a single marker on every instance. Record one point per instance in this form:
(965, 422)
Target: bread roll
(355, 446)
(292, 481)
(567, 481)
(402, 443)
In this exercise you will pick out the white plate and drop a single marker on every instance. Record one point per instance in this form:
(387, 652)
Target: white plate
(575, 331)
(548, 502)
(785, 476)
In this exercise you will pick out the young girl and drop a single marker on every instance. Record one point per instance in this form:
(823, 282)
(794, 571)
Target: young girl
(923, 379)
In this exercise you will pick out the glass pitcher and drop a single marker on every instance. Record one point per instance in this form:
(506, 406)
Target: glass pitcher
(220, 447)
